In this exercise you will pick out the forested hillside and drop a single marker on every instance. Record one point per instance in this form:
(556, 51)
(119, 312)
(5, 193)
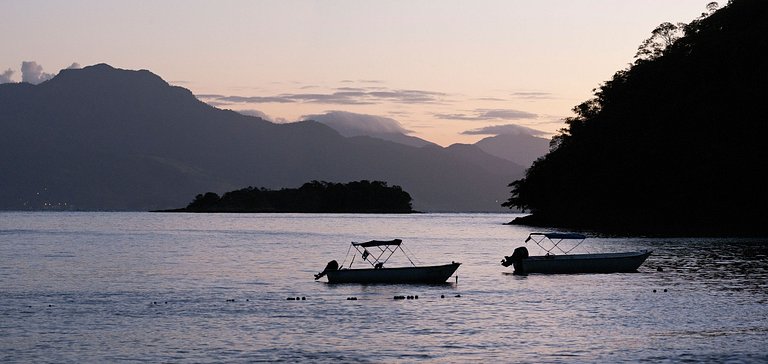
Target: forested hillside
(672, 145)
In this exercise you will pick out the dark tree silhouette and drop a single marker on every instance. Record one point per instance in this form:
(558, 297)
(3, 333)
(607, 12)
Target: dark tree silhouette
(203, 200)
(312, 197)
(663, 37)
(674, 144)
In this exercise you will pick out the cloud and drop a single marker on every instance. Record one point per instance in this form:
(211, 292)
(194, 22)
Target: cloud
(362, 81)
(252, 99)
(209, 96)
(407, 96)
(256, 113)
(5, 77)
(508, 129)
(492, 99)
(532, 95)
(351, 124)
(489, 114)
(261, 114)
(340, 96)
(32, 72)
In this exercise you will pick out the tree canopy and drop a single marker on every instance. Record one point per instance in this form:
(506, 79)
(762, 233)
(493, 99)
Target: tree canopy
(312, 197)
(674, 144)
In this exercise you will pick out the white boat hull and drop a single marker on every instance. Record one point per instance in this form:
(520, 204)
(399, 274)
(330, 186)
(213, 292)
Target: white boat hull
(582, 263)
(426, 274)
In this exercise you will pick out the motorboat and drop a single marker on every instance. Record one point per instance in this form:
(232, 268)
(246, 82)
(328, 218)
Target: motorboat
(377, 253)
(559, 258)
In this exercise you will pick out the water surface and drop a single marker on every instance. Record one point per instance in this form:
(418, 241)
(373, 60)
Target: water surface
(106, 287)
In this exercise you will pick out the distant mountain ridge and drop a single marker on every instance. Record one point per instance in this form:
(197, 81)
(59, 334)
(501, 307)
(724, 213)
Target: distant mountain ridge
(522, 149)
(101, 138)
(404, 139)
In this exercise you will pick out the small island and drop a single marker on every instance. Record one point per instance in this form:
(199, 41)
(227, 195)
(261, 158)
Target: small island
(312, 197)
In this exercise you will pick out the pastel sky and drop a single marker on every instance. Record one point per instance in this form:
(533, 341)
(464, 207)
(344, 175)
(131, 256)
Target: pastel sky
(447, 71)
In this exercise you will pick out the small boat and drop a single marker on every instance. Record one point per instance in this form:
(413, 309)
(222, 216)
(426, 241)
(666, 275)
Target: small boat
(623, 262)
(382, 251)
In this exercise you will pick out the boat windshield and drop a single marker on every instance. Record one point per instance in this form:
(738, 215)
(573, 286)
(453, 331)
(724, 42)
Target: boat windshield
(551, 241)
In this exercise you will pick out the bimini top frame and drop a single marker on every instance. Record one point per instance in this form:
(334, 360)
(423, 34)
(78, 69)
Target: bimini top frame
(555, 239)
(385, 250)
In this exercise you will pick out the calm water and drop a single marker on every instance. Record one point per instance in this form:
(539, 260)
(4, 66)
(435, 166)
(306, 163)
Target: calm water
(107, 287)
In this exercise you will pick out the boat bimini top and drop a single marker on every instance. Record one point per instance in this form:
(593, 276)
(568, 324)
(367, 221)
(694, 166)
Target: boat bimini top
(385, 250)
(555, 239)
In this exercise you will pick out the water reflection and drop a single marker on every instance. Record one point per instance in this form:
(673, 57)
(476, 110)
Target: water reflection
(716, 264)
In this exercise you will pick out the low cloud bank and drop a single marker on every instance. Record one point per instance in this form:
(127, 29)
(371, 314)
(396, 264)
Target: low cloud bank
(340, 96)
(31, 72)
(263, 115)
(5, 77)
(489, 114)
(508, 129)
(352, 124)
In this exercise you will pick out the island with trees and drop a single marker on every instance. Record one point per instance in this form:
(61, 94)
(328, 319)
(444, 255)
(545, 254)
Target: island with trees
(312, 197)
(675, 144)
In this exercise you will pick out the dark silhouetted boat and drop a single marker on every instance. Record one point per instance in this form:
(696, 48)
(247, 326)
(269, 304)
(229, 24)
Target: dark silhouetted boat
(382, 251)
(564, 262)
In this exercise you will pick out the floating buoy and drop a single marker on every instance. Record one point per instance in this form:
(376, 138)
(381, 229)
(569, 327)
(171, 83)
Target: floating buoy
(351, 298)
(442, 296)
(291, 299)
(303, 298)
(399, 297)
(654, 291)
(458, 295)
(416, 297)
(665, 289)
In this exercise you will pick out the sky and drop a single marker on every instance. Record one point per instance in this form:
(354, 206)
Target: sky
(445, 71)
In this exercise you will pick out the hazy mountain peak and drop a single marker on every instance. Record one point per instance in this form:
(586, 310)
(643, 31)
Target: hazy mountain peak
(105, 75)
(351, 124)
(520, 148)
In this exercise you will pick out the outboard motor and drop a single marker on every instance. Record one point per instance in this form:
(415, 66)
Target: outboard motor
(332, 265)
(518, 255)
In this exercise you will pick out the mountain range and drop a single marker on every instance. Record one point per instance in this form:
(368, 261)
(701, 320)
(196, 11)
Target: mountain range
(102, 138)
